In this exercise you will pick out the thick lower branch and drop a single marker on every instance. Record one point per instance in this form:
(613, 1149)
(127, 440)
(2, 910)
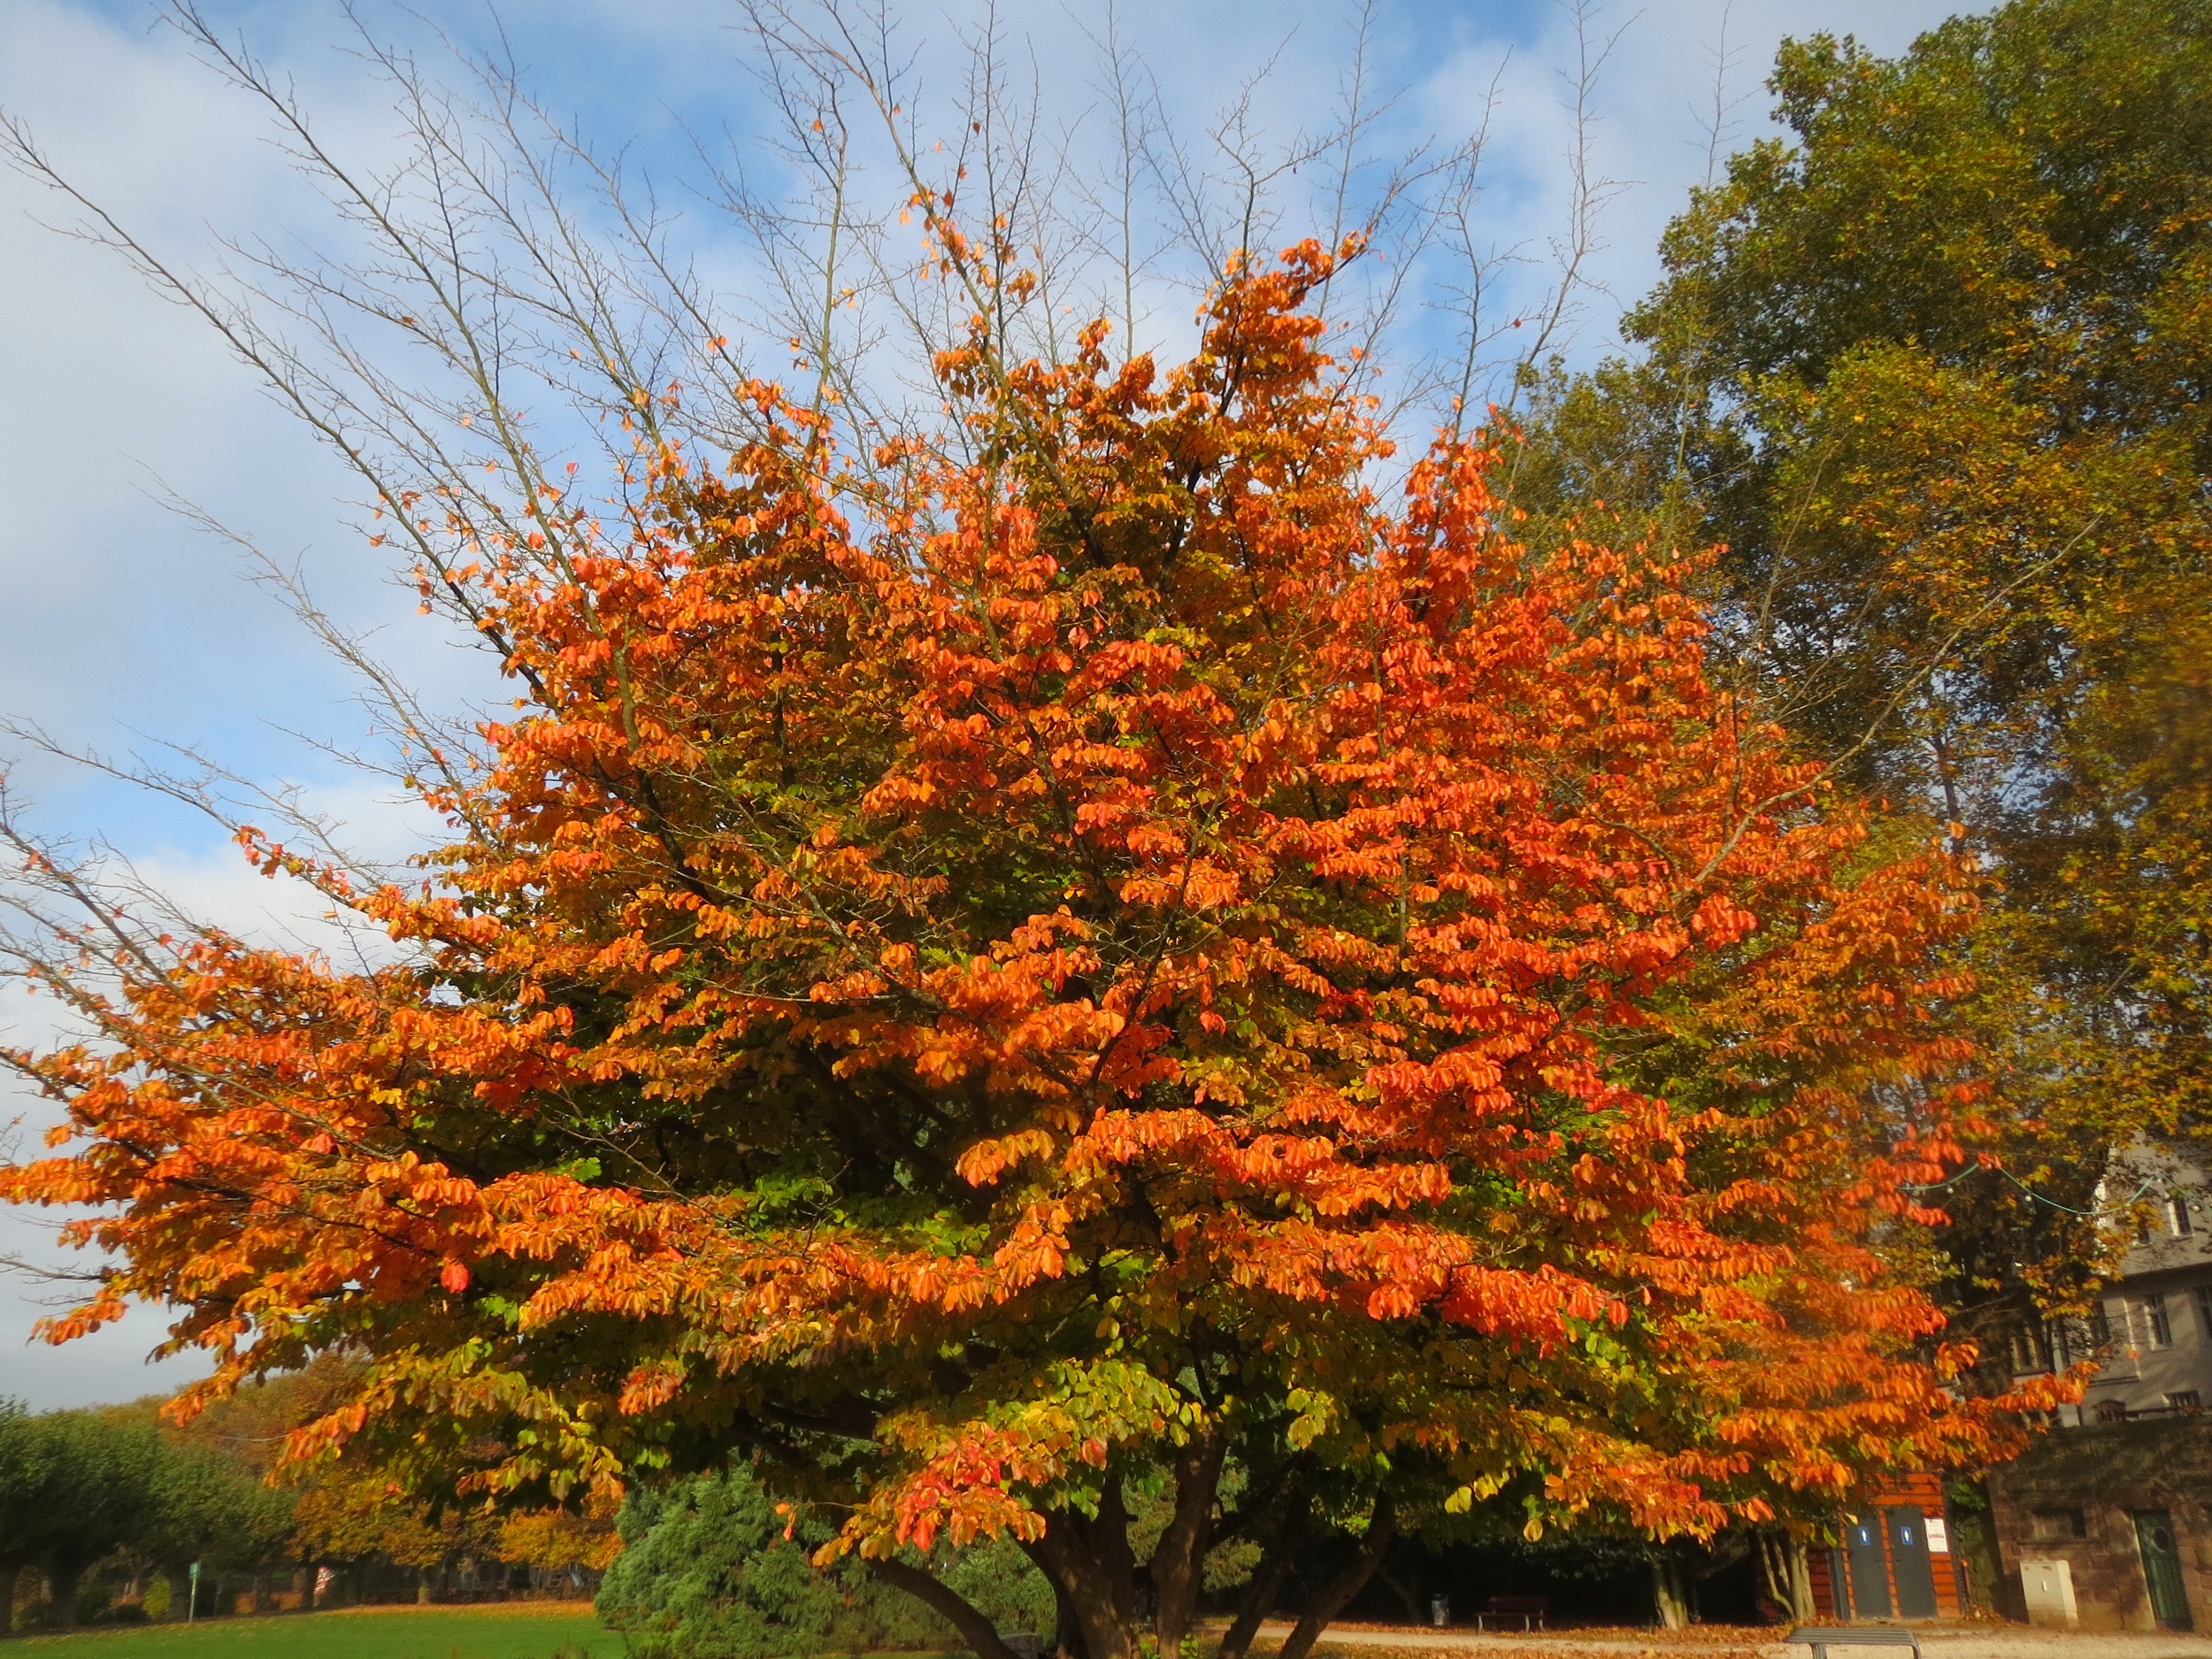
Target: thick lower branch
(1382, 1528)
(1179, 1562)
(977, 1630)
(1268, 1579)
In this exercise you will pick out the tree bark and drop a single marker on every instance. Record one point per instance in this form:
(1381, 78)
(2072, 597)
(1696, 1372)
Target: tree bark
(1409, 1595)
(1084, 1563)
(64, 1575)
(1802, 1607)
(1260, 1596)
(1669, 1594)
(1107, 1532)
(1783, 1576)
(1179, 1563)
(1067, 1630)
(1382, 1528)
(977, 1630)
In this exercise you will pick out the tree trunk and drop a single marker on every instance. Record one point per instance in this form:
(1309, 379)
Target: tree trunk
(1670, 1593)
(64, 1575)
(11, 1575)
(1409, 1595)
(1179, 1562)
(1802, 1607)
(1382, 1528)
(977, 1630)
(1109, 1535)
(1260, 1596)
(1784, 1578)
(1089, 1562)
(1067, 1630)
(173, 1573)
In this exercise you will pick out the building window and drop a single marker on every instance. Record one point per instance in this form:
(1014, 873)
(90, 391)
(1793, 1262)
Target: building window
(2178, 1212)
(2204, 1310)
(2051, 1526)
(2112, 1411)
(2184, 1400)
(2030, 1349)
(2156, 1317)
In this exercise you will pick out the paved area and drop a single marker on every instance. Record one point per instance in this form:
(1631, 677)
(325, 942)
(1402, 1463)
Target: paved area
(1709, 1642)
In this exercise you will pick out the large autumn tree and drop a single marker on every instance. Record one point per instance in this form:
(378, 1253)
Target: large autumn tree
(1136, 946)
(1096, 966)
(1933, 369)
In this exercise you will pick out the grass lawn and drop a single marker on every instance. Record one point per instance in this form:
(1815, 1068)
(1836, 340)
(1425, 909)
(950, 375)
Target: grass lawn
(509, 1630)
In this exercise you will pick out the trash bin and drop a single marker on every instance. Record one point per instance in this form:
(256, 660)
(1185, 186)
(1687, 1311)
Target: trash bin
(1440, 1610)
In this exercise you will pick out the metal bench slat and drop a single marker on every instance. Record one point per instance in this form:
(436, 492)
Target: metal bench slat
(1820, 1638)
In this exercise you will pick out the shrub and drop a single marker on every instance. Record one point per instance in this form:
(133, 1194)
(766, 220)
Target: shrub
(706, 1572)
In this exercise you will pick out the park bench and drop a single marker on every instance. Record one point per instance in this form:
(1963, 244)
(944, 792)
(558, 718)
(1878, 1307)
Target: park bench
(1821, 1640)
(1530, 1609)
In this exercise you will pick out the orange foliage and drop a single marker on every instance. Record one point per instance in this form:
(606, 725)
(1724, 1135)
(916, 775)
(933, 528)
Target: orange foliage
(1092, 934)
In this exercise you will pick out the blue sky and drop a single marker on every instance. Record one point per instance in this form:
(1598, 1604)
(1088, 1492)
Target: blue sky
(125, 627)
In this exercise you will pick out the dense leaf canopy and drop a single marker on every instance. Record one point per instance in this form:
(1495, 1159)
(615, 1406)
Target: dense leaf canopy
(1087, 947)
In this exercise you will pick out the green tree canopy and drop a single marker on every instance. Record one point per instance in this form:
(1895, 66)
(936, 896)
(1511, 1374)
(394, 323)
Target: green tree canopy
(1932, 371)
(26, 1482)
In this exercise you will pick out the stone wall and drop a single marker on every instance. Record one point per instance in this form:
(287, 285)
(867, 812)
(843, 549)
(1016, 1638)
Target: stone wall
(2073, 1497)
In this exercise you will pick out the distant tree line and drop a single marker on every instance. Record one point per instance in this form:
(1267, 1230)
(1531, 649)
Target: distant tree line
(82, 1488)
(105, 1512)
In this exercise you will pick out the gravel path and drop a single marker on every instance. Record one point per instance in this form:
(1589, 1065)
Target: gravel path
(1956, 1641)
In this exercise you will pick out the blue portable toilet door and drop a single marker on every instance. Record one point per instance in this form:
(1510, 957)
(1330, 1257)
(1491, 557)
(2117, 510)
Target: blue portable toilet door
(1869, 1566)
(1909, 1565)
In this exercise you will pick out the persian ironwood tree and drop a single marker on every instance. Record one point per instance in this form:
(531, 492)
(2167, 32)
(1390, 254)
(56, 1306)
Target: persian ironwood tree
(1092, 946)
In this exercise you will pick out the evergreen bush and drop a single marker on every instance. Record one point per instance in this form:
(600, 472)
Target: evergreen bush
(706, 1572)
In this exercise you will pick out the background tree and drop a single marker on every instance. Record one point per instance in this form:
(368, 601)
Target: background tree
(202, 1508)
(26, 1480)
(98, 1495)
(564, 1542)
(116, 1490)
(350, 1512)
(1933, 372)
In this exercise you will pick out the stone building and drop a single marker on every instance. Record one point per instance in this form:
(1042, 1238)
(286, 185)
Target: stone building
(2106, 1522)
(2126, 1506)
(2152, 1332)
